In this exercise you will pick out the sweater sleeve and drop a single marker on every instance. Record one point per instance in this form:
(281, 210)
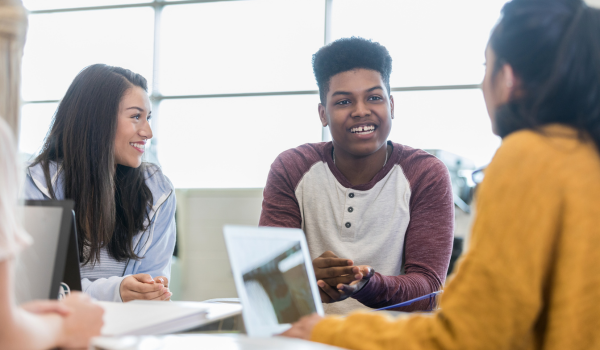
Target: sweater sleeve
(428, 242)
(496, 295)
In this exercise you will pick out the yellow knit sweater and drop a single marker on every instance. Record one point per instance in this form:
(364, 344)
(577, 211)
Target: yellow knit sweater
(531, 279)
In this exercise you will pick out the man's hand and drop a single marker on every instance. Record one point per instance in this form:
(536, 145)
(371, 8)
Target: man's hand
(343, 291)
(303, 328)
(332, 271)
(142, 286)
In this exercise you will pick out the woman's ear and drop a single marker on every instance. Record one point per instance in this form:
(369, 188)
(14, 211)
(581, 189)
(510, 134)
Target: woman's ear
(507, 82)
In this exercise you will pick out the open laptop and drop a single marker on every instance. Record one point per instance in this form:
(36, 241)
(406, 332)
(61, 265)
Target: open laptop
(274, 277)
(53, 257)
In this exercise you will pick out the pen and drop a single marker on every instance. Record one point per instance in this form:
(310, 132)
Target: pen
(409, 302)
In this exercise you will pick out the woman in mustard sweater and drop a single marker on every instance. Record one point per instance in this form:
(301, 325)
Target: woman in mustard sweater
(531, 279)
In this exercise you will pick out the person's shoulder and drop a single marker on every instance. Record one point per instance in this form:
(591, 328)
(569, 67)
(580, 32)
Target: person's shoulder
(35, 168)
(550, 141)
(157, 181)
(549, 147)
(416, 162)
(560, 152)
(303, 156)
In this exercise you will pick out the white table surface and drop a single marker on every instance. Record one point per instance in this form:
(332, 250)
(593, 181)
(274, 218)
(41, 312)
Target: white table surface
(204, 341)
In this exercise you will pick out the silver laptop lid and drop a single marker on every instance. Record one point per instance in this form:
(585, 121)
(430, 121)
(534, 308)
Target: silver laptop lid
(274, 277)
(40, 267)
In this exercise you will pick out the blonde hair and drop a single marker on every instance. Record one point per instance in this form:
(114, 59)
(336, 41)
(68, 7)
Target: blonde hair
(12, 236)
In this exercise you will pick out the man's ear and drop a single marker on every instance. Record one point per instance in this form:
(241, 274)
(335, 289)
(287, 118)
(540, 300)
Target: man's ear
(392, 105)
(322, 115)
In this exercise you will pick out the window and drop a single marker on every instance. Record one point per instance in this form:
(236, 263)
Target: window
(217, 48)
(61, 44)
(232, 83)
(432, 42)
(452, 120)
(232, 141)
(35, 123)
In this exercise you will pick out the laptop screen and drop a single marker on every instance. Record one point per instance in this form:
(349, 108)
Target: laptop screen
(40, 267)
(274, 277)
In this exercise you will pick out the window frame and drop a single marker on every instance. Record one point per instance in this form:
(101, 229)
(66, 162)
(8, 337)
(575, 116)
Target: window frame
(157, 97)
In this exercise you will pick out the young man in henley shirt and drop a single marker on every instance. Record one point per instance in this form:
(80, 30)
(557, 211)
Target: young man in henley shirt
(378, 216)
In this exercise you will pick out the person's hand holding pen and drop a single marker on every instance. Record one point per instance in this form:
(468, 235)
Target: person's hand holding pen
(337, 278)
(143, 287)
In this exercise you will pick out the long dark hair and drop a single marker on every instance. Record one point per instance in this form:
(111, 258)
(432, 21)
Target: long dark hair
(553, 47)
(111, 203)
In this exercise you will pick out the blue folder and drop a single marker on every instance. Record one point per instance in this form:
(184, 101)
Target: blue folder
(409, 302)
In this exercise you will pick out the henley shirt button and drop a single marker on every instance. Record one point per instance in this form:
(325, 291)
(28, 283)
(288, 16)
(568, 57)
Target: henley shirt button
(351, 195)
(348, 225)
(350, 209)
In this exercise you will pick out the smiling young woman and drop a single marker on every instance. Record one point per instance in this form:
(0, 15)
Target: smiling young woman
(125, 208)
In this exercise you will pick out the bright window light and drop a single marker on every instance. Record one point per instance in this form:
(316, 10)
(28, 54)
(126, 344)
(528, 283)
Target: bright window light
(231, 142)
(36, 5)
(35, 123)
(254, 46)
(59, 45)
(240, 46)
(432, 42)
(452, 120)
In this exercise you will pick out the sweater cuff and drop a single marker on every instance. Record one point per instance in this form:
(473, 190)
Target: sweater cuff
(326, 330)
(370, 291)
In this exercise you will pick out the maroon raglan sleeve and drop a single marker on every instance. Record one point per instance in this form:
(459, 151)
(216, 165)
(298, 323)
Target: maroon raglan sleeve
(280, 208)
(428, 240)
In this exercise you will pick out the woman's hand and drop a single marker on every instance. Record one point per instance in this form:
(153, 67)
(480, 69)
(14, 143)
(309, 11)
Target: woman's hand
(143, 287)
(164, 281)
(303, 328)
(46, 307)
(82, 322)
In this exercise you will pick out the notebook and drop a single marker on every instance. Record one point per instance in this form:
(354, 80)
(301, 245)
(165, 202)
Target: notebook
(140, 317)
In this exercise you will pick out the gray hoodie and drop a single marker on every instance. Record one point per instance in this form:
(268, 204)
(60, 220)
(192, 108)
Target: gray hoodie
(155, 245)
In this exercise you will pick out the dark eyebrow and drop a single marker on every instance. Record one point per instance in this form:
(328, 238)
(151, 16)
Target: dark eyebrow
(345, 93)
(375, 88)
(139, 109)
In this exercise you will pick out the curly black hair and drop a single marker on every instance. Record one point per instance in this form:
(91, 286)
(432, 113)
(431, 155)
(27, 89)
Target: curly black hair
(348, 54)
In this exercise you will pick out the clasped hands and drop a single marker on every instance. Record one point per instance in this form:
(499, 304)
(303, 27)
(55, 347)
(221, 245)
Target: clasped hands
(338, 278)
(143, 286)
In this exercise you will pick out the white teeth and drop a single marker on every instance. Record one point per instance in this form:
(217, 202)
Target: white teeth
(363, 129)
(139, 146)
